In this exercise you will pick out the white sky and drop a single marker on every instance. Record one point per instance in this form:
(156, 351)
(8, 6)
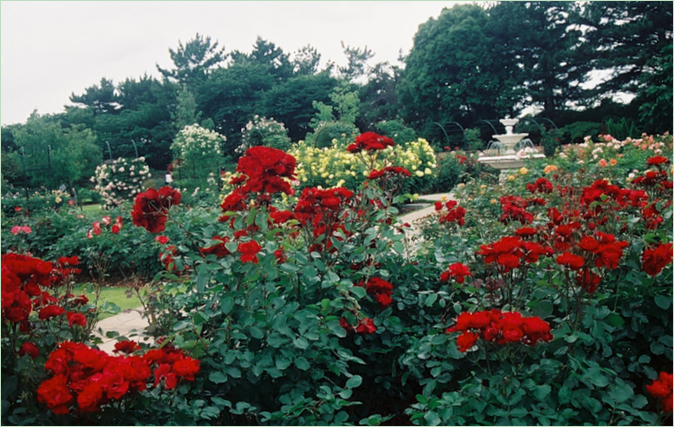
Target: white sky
(52, 49)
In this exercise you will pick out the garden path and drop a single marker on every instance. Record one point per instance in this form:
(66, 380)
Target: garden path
(131, 322)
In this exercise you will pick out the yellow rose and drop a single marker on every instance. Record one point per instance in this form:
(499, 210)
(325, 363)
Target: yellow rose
(419, 173)
(523, 171)
(483, 186)
(511, 178)
(461, 185)
(493, 201)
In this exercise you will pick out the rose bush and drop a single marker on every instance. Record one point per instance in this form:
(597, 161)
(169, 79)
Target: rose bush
(120, 180)
(545, 300)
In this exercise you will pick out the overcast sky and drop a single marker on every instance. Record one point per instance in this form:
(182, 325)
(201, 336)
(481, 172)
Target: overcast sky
(52, 49)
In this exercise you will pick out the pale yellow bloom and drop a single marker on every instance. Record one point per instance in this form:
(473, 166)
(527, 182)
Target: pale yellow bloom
(523, 171)
(550, 169)
(511, 178)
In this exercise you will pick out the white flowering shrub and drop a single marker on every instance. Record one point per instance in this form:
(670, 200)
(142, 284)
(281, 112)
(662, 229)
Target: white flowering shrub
(264, 132)
(120, 180)
(198, 151)
(334, 166)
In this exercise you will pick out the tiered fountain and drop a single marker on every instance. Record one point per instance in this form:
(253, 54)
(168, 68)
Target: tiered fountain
(509, 150)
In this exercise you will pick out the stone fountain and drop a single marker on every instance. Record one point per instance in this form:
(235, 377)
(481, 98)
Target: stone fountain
(508, 151)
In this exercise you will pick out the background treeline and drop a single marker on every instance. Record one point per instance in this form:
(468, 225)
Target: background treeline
(588, 67)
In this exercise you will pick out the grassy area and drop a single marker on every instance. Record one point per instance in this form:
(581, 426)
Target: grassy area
(95, 207)
(114, 295)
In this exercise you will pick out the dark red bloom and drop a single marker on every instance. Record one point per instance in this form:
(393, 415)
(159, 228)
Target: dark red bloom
(268, 170)
(587, 280)
(573, 262)
(370, 141)
(30, 349)
(390, 171)
(186, 368)
(50, 311)
(126, 346)
(657, 160)
(381, 289)
(466, 340)
(150, 209)
(458, 271)
(541, 185)
(657, 258)
(249, 251)
(76, 319)
(662, 389)
(218, 249)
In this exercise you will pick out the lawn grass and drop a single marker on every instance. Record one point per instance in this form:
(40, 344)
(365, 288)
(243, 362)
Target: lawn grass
(95, 207)
(114, 295)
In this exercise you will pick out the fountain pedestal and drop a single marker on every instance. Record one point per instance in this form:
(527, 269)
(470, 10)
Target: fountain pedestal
(510, 161)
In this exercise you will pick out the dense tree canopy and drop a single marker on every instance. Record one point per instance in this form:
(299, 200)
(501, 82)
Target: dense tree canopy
(601, 62)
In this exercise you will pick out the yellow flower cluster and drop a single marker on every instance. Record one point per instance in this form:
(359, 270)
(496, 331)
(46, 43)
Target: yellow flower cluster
(334, 166)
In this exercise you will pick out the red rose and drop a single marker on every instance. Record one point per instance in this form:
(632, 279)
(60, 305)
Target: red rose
(55, 394)
(466, 340)
(30, 349)
(366, 326)
(126, 346)
(50, 311)
(90, 396)
(370, 141)
(249, 251)
(573, 262)
(150, 209)
(654, 260)
(186, 368)
(76, 319)
(161, 239)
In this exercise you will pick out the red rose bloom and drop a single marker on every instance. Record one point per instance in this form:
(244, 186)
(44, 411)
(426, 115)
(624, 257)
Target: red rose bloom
(657, 160)
(219, 249)
(656, 259)
(249, 251)
(466, 340)
(161, 239)
(90, 396)
(50, 311)
(150, 209)
(126, 346)
(573, 262)
(458, 271)
(76, 319)
(55, 394)
(30, 349)
(370, 141)
(186, 368)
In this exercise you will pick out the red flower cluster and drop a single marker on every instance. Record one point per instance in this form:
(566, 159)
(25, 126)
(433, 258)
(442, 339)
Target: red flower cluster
(514, 209)
(370, 141)
(662, 389)
(151, 208)
(606, 248)
(24, 277)
(218, 249)
(511, 252)
(499, 327)
(454, 213)
(458, 271)
(541, 185)
(266, 169)
(571, 261)
(90, 378)
(390, 171)
(321, 211)
(656, 258)
(381, 289)
(365, 326)
(249, 251)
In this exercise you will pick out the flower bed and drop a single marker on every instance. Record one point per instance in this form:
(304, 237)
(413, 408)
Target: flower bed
(547, 300)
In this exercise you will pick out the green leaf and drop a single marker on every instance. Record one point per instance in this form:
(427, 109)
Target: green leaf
(301, 342)
(359, 291)
(432, 419)
(302, 363)
(543, 309)
(439, 339)
(354, 381)
(542, 391)
(663, 301)
(621, 392)
(276, 340)
(256, 332)
(614, 320)
(594, 376)
(217, 377)
(430, 299)
(282, 363)
(233, 372)
(336, 328)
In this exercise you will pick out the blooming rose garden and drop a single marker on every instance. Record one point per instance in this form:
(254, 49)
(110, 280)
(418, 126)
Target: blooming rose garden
(546, 300)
